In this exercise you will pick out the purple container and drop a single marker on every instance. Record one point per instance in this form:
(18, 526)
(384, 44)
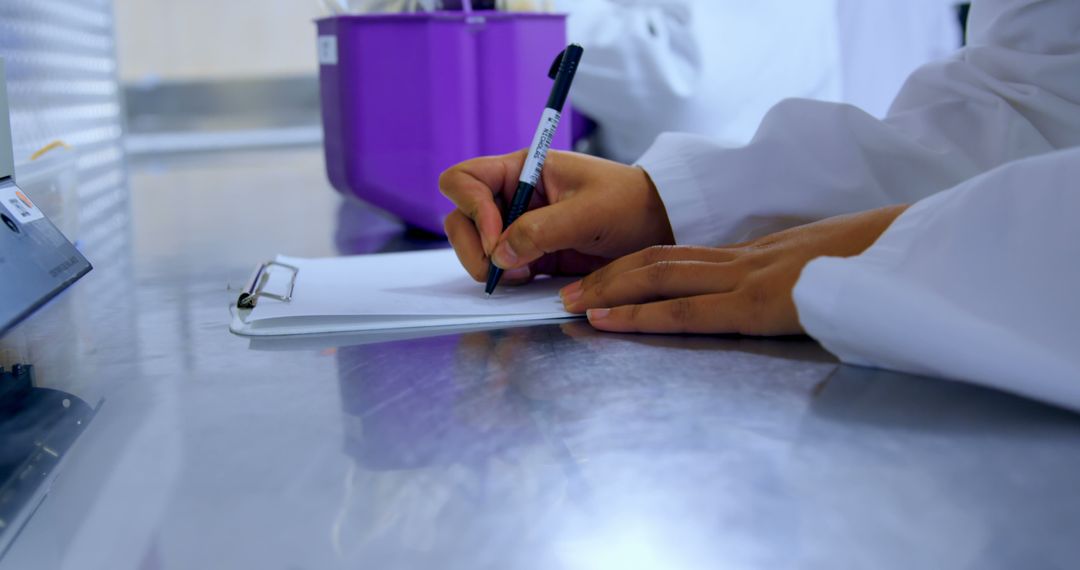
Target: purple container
(405, 96)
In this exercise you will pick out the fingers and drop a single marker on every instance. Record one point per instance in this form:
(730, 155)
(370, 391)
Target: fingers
(556, 227)
(654, 273)
(465, 240)
(661, 280)
(664, 290)
(472, 186)
(657, 254)
(717, 313)
(466, 243)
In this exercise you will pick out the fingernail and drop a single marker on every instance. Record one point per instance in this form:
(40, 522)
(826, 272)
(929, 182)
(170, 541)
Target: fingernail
(519, 274)
(597, 314)
(505, 256)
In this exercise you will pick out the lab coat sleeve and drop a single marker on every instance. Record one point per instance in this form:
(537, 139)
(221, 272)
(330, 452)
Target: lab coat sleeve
(977, 283)
(642, 57)
(1013, 92)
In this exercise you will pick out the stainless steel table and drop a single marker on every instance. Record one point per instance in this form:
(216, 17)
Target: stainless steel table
(549, 447)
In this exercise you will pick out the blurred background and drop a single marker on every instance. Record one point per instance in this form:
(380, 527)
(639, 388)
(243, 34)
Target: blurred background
(104, 81)
(205, 74)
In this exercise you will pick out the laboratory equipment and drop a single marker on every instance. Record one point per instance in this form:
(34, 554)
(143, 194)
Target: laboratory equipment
(36, 261)
(406, 96)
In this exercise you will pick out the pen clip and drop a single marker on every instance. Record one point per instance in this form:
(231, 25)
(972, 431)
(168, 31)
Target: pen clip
(554, 71)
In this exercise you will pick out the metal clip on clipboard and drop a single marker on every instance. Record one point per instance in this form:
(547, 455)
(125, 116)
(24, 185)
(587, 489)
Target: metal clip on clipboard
(256, 285)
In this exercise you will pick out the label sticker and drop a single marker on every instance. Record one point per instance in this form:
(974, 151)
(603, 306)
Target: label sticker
(19, 206)
(327, 50)
(545, 133)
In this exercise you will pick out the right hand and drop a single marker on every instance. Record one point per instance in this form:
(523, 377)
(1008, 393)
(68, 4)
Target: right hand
(585, 212)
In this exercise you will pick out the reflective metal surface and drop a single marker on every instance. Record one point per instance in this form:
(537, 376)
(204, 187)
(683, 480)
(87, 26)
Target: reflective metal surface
(550, 447)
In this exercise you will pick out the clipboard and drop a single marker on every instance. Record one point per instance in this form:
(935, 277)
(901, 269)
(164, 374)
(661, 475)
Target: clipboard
(404, 292)
(256, 286)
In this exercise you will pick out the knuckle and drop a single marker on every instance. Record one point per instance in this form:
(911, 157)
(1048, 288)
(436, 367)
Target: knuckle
(446, 180)
(743, 269)
(593, 283)
(658, 274)
(598, 289)
(753, 259)
(534, 230)
(655, 254)
(755, 301)
(452, 224)
(740, 264)
(530, 232)
(590, 279)
(680, 310)
(757, 296)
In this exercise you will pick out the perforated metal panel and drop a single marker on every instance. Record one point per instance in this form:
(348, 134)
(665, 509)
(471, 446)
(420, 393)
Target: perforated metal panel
(7, 167)
(62, 85)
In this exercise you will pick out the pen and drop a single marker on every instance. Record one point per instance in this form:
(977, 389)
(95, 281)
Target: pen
(562, 71)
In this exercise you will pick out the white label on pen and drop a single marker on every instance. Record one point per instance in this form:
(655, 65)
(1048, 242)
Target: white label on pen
(538, 150)
(327, 50)
(18, 206)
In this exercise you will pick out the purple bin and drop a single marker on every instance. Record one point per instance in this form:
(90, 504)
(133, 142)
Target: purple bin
(405, 96)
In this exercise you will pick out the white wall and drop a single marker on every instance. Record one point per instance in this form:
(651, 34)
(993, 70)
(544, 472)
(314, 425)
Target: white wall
(215, 39)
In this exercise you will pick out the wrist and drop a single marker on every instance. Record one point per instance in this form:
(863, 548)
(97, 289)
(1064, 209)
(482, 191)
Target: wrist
(661, 232)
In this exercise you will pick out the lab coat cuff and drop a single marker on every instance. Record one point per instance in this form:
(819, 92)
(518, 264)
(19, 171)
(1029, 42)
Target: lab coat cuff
(818, 292)
(688, 208)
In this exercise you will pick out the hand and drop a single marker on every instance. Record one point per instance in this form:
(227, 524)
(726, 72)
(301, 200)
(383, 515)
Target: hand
(586, 212)
(744, 288)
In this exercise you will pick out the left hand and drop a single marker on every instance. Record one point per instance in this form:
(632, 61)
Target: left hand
(744, 288)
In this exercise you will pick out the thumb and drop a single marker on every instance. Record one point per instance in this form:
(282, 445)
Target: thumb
(559, 226)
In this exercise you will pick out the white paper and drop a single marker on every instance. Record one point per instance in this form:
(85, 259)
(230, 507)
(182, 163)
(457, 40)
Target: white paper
(393, 291)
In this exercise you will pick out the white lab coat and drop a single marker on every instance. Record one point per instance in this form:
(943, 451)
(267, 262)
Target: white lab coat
(714, 67)
(883, 42)
(1012, 94)
(976, 283)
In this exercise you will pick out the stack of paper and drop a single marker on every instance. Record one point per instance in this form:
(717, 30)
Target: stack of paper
(391, 291)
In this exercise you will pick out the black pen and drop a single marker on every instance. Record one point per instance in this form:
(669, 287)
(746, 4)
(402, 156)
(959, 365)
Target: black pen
(562, 71)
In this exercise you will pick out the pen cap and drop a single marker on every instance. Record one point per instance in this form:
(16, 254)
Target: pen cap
(562, 71)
